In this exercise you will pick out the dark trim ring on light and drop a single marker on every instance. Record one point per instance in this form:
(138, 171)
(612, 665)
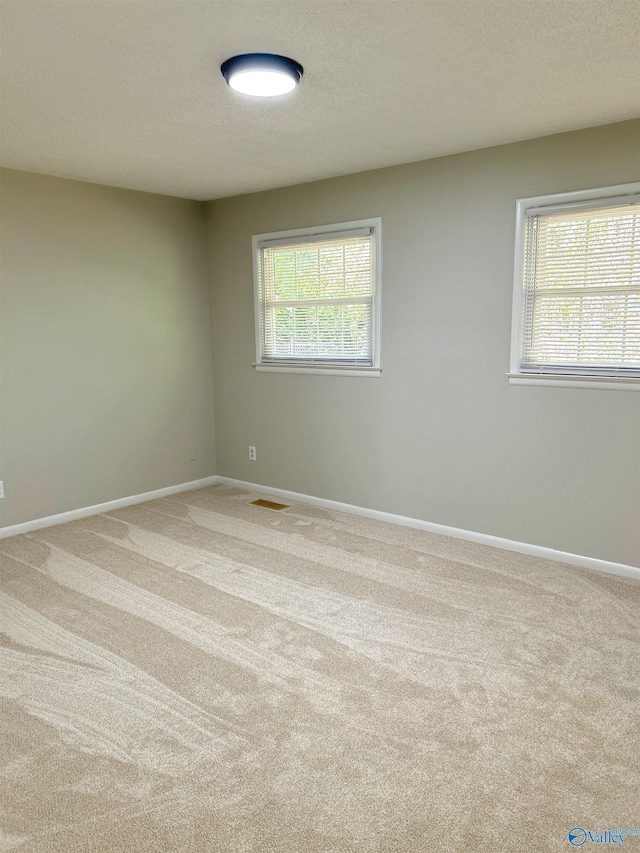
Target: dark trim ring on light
(262, 74)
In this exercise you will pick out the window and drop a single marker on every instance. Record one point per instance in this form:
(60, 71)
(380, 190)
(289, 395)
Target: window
(317, 299)
(576, 306)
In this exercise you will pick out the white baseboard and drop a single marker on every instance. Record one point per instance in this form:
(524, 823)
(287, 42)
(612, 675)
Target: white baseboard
(83, 512)
(620, 569)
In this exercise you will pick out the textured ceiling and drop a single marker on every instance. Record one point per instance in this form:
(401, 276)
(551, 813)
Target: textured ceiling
(129, 92)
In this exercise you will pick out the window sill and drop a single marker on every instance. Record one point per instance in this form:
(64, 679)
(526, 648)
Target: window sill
(607, 383)
(371, 372)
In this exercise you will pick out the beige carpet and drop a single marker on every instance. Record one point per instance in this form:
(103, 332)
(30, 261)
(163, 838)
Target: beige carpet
(200, 674)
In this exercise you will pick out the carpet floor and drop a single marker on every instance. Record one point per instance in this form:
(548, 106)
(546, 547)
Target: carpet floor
(200, 675)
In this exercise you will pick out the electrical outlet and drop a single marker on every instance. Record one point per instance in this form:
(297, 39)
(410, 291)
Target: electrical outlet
(252, 453)
(1, 489)
(192, 454)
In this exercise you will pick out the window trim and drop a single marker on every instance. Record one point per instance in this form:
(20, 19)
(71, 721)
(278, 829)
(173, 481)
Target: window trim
(567, 380)
(317, 367)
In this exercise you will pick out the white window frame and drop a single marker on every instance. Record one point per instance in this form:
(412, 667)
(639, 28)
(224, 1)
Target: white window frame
(577, 380)
(315, 367)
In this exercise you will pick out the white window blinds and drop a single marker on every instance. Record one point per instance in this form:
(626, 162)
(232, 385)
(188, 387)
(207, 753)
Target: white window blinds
(317, 299)
(582, 289)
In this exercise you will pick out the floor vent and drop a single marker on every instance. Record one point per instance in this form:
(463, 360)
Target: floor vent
(270, 504)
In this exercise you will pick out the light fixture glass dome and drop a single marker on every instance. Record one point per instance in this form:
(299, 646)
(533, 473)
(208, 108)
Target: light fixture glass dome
(262, 75)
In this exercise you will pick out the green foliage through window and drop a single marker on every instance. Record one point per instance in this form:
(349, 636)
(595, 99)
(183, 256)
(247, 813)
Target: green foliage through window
(317, 300)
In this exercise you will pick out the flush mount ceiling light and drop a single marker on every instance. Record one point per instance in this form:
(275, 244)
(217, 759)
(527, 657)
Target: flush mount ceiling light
(261, 74)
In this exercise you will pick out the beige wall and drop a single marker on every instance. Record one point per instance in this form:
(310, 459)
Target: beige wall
(105, 360)
(105, 336)
(441, 436)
